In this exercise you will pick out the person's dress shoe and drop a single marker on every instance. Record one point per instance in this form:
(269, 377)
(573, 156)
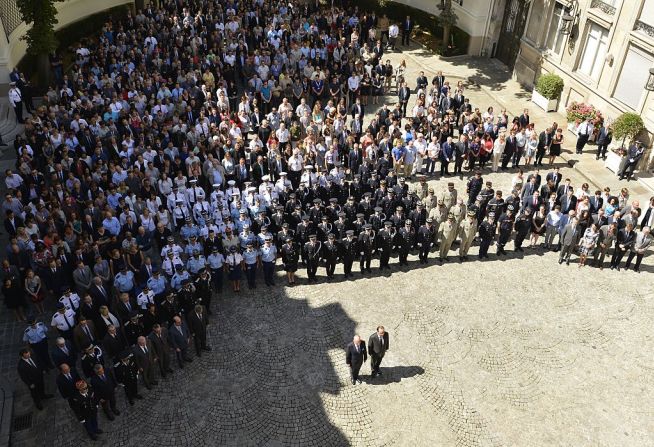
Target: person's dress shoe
(354, 382)
(131, 402)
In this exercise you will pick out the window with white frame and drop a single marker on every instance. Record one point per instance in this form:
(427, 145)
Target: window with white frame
(594, 55)
(630, 87)
(554, 37)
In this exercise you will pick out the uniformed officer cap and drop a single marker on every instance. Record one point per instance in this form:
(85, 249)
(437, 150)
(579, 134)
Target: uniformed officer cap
(179, 267)
(231, 183)
(31, 319)
(450, 215)
(216, 185)
(419, 204)
(333, 200)
(308, 167)
(179, 201)
(357, 175)
(383, 182)
(367, 227)
(350, 198)
(246, 227)
(388, 223)
(283, 174)
(349, 232)
(471, 213)
(450, 183)
(489, 183)
(491, 214)
(480, 198)
(510, 207)
(267, 239)
(391, 192)
(186, 282)
(360, 215)
(407, 222)
(249, 244)
(193, 181)
(125, 354)
(430, 220)
(279, 207)
(188, 219)
(367, 194)
(342, 214)
(305, 217)
(430, 190)
(204, 212)
(232, 249)
(402, 179)
(312, 236)
(155, 271)
(146, 287)
(215, 250)
(317, 201)
(325, 218)
(477, 172)
(241, 212)
(331, 236)
(398, 208)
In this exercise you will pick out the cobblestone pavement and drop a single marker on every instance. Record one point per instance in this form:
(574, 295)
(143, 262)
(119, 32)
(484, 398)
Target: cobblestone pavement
(517, 351)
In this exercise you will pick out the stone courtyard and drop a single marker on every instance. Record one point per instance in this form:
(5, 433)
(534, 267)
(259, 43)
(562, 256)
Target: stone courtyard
(512, 351)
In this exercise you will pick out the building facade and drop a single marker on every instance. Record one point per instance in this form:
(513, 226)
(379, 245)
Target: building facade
(604, 54)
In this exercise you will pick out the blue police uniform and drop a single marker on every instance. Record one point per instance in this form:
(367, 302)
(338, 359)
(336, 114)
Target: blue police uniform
(37, 337)
(158, 286)
(268, 258)
(250, 257)
(216, 261)
(124, 282)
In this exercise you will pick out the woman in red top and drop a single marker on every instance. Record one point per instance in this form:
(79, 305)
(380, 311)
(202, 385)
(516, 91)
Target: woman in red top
(486, 150)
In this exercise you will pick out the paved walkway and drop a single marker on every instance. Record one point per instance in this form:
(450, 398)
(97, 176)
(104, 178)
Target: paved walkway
(482, 354)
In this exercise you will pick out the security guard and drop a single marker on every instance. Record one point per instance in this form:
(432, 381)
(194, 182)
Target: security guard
(446, 236)
(522, 228)
(505, 224)
(64, 321)
(425, 238)
(124, 280)
(196, 263)
(330, 255)
(145, 298)
(487, 231)
(350, 250)
(467, 232)
(366, 247)
(312, 256)
(126, 373)
(180, 275)
(384, 241)
(36, 335)
(70, 300)
(268, 258)
(157, 284)
(246, 237)
(216, 261)
(172, 247)
(406, 240)
(251, 259)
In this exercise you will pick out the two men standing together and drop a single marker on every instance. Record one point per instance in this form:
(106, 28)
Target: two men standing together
(356, 354)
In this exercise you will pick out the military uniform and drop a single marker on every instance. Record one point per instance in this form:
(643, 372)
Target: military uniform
(505, 224)
(384, 241)
(126, 373)
(406, 240)
(446, 235)
(487, 231)
(312, 257)
(467, 232)
(449, 196)
(290, 256)
(85, 407)
(90, 359)
(366, 247)
(522, 228)
(350, 250)
(426, 236)
(64, 321)
(330, 251)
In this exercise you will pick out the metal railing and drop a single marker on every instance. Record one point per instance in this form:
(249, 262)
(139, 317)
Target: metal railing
(10, 16)
(603, 6)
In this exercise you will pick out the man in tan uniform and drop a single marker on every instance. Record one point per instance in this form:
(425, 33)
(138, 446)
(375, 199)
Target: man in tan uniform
(459, 210)
(446, 236)
(431, 201)
(422, 188)
(467, 232)
(438, 213)
(449, 196)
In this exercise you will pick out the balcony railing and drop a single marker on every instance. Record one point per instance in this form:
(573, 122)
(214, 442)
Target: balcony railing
(603, 6)
(10, 16)
(644, 27)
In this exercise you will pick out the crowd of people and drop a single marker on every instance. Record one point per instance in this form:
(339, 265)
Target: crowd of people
(189, 144)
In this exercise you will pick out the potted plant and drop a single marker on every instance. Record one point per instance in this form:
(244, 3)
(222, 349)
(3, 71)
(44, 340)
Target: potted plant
(547, 92)
(578, 112)
(627, 127)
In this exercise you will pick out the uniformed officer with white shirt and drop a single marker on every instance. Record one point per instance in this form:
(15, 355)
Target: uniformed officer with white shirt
(199, 207)
(180, 213)
(175, 197)
(70, 300)
(64, 321)
(16, 101)
(194, 193)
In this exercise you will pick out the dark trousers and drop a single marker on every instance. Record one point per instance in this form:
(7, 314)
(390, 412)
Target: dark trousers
(639, 257)
(312, 268)
(458, 166)
(40, 350)
(519, 239)
(364, 260)
(18, 110)
(91, 425)
(581, 142)
(354, 371)
(404, 254)
(181, 356)
(131, 389)
(109, 406)
(375, 362)
(484, 244)
(444, 168)
(330, 266)
(217, 278)
(406, 35)
(403, 105)
(268, 272)
(347, 265)
(618, 253)
(517, 155)
(424, 251)
(251, 274)
(601, 150)
(540, 153)
(384, 257)
(164, 362)
(506, 159)
(200, 341)
(38, 392)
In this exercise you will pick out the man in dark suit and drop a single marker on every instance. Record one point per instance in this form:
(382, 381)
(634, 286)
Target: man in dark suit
(544, 142)
(355, 356)
(105, 389)
(197, 325)
(568, 240)
(403, 95)
(259, 170)
(144, 356)
(99, 293)
(31, 372)
(84, 333)
(66, 381)
(407, 28)
(63, 352)
(421, 81)
(114, 343)
(625, 240)
(124, 307)
(242, 173)
(277, 165)
(596, 202)
(377, 347)
(179, 338)
(568, 202)
(161, 346)
(12, 222)
(534, 201)
(648, 216)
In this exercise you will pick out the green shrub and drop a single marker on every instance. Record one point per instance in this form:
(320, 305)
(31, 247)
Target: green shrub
(627, 126)
(550, 86)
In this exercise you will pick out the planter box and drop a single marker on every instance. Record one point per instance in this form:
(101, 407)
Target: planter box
(549, 105)
(612, 162)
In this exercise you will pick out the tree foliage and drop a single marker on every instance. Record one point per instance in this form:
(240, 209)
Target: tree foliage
(447, 17)
(627, 126)
(550, 86)
(42, 15)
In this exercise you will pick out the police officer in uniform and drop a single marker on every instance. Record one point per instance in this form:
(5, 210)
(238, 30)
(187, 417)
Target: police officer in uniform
(330, 251)
(425, 238)
(312, 256)
(64, 321)
(349, 247)
(92, 356)
(522, 228)
(447, 232)
(366, 247)
(384, 241)
(251, 259)
(290, 257)
(216, 262)
(84, 404)
(268, 258)
(467, 232)
(505, 223)
(36, 335)
(487, 231)
(133, 328)
(406, 240)
(203, 290)
(126, 373)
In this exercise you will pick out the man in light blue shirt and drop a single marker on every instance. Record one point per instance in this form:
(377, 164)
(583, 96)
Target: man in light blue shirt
(216, 261)
(157, 283)
(124, 281)
(268, 259)
(251, 258)
(180, 275)
(196, 263)
(36, 336)
(111, 224)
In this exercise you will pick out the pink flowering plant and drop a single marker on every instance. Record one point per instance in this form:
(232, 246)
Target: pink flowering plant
(579, 111)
